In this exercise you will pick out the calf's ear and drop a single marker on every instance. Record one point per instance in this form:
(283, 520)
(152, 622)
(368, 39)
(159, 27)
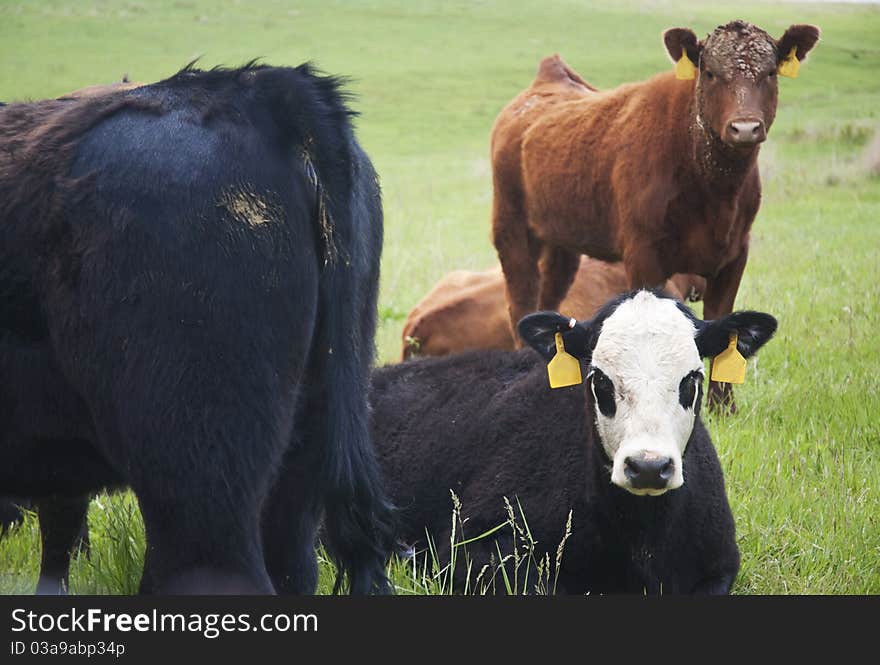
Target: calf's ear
(678, 40)
(539, 330)
(753, 330)
(801, 37)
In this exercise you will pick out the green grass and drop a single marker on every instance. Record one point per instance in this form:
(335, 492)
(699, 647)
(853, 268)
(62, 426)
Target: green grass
(802, 458)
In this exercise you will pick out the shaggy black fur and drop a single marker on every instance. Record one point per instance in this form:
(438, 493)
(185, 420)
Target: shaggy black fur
(198, 261)
(486, 425)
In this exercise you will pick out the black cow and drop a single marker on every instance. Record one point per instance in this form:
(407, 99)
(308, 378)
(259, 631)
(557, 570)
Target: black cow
(196, 264)
(627, 453)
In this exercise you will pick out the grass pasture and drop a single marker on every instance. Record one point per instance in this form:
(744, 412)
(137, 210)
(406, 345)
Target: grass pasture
(802, 458)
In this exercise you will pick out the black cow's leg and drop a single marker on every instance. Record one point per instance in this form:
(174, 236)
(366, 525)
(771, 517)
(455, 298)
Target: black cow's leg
(61, 527)
(202, 474)
(290, 524)
(191, 551)
(197, 419)
(201, 454)
(715, 586)
(203, 532)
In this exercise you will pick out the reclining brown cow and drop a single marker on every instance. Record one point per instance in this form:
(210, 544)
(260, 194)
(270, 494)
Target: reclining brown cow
(468, 310)
(660, 174)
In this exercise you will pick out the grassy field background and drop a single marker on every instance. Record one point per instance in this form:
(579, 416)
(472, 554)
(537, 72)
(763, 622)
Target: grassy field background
(802, 458)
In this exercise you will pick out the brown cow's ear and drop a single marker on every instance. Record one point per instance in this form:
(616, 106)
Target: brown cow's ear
(800, 37)
(678, 40)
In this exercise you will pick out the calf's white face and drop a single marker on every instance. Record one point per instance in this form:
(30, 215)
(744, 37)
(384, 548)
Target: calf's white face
(644, 353)
(646, 376)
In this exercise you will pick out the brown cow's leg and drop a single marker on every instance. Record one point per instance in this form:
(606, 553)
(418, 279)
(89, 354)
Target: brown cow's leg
(720, 295)
(643, 269)
(558, 268)
(518, 252)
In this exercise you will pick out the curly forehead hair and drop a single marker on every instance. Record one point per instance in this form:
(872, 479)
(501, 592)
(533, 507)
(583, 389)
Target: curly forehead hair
(741, 46)
(739, 30)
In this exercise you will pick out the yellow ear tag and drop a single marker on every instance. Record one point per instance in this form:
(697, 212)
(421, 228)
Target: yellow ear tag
(791, 65)
(564, 369)
(684, 68)
(729, 366)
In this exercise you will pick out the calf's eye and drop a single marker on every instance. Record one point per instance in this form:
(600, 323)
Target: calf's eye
(690, 391)
(603, 392)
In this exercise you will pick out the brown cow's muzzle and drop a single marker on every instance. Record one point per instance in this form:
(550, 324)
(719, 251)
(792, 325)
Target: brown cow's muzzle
(745, 132)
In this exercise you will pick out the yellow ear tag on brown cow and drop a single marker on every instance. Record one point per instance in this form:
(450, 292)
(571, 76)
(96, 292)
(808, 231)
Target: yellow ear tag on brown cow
(729, 366)
(564, 369)
(791, 65)
(684, 68)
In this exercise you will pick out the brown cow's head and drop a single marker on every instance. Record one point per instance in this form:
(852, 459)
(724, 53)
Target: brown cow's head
(736, 67)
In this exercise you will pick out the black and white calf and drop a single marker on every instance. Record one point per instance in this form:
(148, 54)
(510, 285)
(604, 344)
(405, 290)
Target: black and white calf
(627, 452)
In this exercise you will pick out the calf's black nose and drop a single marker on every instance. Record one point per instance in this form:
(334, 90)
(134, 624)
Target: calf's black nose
(648, 472)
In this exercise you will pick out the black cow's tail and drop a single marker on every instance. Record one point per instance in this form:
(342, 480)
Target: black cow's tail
(360, 529)
(359, 521)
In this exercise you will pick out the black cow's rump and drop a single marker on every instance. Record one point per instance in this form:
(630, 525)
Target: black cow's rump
(486, 425)
(198, 261)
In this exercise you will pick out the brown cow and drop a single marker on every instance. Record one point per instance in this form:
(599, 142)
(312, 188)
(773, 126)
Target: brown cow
(660, 174)
(468, 310)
